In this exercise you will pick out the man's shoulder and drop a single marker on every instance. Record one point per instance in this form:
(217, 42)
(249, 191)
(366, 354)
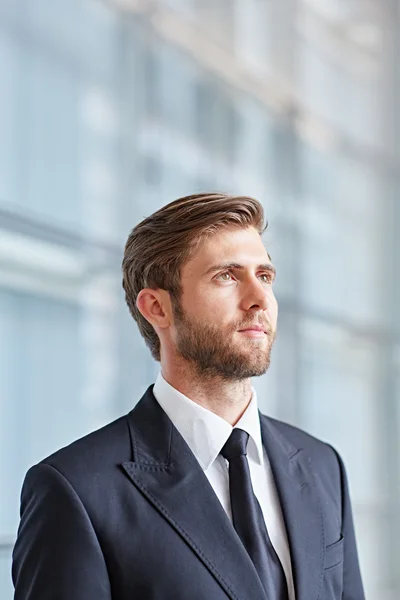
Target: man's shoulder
(98, 450)
(80, 473)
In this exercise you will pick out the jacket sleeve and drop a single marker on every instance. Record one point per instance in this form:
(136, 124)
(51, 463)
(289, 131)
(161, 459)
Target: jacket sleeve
(352, 582)
(57, 553)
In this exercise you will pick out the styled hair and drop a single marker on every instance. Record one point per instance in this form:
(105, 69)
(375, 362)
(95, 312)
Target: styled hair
(161, 244)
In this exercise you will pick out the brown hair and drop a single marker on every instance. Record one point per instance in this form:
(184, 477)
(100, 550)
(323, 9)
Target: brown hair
(158, 247)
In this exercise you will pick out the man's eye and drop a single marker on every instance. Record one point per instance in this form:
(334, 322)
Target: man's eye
(224, 276)
(266, 278)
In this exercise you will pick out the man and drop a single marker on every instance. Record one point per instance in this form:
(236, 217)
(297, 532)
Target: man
(193, 494)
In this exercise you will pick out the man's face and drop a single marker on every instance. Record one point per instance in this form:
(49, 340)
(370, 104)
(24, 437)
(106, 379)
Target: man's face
(225, 322)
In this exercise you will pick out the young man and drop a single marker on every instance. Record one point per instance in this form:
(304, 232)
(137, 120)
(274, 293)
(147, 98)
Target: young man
(194, 494)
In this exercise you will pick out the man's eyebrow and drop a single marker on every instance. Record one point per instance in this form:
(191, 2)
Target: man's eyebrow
(237, 266)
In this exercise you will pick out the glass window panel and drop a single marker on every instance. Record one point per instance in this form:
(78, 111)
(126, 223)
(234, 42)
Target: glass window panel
(176, 101)
(339, 397)
(51, 156)
(346, 99)
(10, 126)
(341, 224)
(217, 119)
(50, 118)
(40, 388)
(99, 163)
(254, 151)
(81, 33)
(206, 90)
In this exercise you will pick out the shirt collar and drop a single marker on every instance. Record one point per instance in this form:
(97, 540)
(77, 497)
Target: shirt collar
(205, 432)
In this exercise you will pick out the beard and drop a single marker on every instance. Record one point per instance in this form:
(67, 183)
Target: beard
(213, 352)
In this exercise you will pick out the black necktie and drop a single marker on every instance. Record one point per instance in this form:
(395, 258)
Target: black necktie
(248, 519)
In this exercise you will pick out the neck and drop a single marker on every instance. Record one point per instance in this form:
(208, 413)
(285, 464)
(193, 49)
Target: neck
(227, 399)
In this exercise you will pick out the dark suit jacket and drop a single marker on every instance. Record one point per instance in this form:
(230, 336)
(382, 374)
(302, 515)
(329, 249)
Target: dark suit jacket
(126, 513)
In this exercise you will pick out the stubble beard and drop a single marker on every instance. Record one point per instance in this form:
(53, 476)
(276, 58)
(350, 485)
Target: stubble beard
(212, 352)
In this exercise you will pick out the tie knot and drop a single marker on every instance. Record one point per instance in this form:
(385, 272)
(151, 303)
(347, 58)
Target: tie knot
(236, 444)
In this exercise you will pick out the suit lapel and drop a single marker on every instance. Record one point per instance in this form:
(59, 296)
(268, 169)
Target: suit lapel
(165, 470)
(301, 509)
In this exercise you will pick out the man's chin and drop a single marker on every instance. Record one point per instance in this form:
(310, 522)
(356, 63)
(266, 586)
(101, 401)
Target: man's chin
(250, 367)
(252, 350)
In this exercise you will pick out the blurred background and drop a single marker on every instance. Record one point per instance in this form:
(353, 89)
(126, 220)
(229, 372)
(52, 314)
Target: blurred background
(110, 109)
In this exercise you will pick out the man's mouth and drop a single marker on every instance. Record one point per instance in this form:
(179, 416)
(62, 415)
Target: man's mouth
(254, 331)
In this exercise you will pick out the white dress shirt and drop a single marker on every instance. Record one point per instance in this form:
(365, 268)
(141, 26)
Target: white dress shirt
(206, 433)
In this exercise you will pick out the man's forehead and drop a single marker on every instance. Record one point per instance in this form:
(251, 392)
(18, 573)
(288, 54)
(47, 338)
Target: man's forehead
(246, 241)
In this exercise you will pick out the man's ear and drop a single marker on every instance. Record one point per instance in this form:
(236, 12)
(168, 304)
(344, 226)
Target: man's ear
(155, 307)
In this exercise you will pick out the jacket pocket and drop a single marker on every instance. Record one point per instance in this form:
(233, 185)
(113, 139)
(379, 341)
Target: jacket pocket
(334, 554)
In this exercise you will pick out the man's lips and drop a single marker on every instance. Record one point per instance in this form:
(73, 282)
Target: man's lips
(256, 329)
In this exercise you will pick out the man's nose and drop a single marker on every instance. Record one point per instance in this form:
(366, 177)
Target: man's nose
(256, 296)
